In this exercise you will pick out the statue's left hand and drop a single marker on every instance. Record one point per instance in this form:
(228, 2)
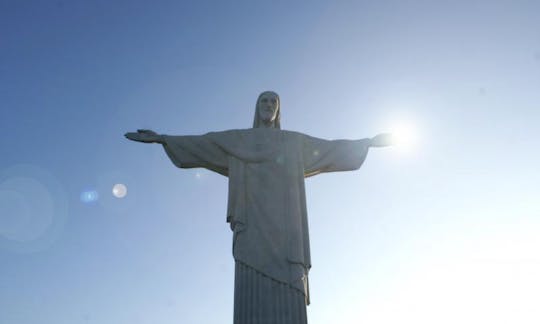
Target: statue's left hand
(145, 136)
(382, 140)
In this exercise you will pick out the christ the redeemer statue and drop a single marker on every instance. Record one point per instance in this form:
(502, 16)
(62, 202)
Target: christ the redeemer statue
(266, 167)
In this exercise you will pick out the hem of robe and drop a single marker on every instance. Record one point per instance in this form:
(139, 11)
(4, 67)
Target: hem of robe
(259, 299)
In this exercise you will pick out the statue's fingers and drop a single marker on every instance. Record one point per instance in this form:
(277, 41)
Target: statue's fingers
(133, 136)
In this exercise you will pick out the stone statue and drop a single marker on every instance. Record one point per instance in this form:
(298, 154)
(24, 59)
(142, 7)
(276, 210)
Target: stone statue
(266, 167)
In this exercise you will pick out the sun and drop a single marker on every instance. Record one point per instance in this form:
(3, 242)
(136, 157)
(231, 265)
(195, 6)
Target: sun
(404, 135)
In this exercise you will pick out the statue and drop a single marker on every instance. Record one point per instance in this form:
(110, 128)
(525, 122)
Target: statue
(266, 167)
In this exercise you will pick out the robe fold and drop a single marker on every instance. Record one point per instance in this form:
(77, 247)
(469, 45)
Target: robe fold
(266, 208)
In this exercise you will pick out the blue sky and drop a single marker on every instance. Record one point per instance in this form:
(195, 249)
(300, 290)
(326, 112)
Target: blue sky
(444, 232)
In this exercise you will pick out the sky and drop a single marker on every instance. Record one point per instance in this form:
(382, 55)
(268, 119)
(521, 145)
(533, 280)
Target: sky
(443, 230)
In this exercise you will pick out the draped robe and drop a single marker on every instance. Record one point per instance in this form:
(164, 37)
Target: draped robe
(266, 208)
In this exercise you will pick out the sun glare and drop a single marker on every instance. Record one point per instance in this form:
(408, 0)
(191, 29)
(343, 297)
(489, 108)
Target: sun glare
(404, 135)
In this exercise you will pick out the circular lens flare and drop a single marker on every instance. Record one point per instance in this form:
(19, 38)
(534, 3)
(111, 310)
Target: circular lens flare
(119, 190)
(33, 208)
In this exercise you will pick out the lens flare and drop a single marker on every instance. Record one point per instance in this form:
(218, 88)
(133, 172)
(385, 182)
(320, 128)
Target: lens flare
(119, 190)
(33, 208)
(89, 196)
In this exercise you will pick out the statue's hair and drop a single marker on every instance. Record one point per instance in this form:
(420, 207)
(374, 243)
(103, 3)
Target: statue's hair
(277, 121)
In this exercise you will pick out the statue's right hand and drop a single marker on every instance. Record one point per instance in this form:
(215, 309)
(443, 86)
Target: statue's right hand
(144, 136)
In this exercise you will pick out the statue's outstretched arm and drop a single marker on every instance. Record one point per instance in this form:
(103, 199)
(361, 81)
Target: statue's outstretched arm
(145, 136)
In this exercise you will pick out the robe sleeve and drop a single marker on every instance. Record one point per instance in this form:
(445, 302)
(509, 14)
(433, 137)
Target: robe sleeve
(321, 155)
(200, 151)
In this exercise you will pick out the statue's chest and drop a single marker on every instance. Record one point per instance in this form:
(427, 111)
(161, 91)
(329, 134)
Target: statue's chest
(265, 142)
(265, 146)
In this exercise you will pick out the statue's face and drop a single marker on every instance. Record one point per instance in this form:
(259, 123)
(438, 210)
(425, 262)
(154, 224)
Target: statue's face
(268, 106)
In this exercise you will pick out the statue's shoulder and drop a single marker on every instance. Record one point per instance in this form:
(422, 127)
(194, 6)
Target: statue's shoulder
(230, 137)
(294, 135)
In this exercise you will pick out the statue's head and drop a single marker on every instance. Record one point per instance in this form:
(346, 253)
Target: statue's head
(267, 110)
